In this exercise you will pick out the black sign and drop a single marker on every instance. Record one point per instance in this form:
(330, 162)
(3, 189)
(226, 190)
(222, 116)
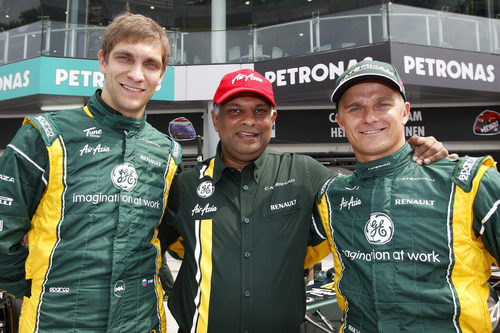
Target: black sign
(446, 124)
(313, 77)
(446, 68)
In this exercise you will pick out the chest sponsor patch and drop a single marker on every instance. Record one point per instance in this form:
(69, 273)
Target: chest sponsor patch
(124, 176)
(282, 205)
(415, 202)
(349, 203)
(202, 210)
(88, 149)
(205, 189)
(93, 132)
(379, 229)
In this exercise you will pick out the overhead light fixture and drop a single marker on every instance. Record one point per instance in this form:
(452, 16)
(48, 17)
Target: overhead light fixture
(49, 108)
(247, 3)
(301, 34)
(152, 7)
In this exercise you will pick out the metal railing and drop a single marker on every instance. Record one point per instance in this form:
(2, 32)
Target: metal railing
(360, 27)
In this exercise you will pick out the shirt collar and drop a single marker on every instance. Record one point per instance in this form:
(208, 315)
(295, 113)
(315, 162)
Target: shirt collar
(386, 164)
(112, 118)
(257, 165)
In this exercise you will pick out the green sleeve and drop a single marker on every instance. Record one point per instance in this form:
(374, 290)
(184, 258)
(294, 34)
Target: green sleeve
(487, 212)
(23, 170)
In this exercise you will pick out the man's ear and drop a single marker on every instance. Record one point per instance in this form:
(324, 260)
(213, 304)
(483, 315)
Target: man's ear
(406, 113)
(339, 121)
(102, 62)
(274, 115)
(214, 120)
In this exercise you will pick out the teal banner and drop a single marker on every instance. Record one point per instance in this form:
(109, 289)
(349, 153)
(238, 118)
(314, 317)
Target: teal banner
(63, 76)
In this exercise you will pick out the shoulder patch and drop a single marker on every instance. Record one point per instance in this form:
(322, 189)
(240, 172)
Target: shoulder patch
(176, 151)
(466, 170)
(45, 125)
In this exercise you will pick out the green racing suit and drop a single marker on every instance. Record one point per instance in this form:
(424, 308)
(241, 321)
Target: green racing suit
(88, 187)
(413, 245)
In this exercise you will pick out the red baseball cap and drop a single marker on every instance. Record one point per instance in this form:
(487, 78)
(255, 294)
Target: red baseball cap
(241, 81)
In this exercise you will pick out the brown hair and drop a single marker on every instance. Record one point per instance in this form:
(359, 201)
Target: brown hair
(134, 28)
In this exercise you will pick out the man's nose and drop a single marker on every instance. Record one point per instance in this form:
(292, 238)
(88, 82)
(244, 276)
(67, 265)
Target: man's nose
(136, 73)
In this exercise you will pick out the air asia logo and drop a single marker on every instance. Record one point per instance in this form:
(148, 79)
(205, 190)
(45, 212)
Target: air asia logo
(352, 202)
(124, 176)
(205, 189)
(246, 78)
(379, 229)
(202, 210)
(119, 288)
(487, 123)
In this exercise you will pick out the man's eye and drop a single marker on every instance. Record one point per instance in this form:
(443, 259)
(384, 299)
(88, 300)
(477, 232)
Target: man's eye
(153, 65)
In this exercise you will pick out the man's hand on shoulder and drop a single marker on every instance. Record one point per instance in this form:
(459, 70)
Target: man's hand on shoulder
(428, 150)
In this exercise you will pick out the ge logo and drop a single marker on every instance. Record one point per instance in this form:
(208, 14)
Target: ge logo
(205, 189)
(124, 176)
(379, 229)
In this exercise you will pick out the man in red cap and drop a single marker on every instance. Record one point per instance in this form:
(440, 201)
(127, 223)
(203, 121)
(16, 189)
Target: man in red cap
(241, 221)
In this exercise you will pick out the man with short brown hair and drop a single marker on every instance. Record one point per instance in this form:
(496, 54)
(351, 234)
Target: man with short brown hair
(89, 188)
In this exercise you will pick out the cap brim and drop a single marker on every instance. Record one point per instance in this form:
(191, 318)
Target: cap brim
(339, 91)
(235, 91)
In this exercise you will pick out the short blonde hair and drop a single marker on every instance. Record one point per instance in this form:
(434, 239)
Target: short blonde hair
(134, 28)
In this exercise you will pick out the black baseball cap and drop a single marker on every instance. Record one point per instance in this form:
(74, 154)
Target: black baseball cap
(367, 70)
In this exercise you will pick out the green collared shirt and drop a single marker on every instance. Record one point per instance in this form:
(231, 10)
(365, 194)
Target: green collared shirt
(245, 236)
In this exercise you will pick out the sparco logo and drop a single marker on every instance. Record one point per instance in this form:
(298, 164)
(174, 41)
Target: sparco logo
(119, 288)
(6, 201)
(205, 189)
(124, 176)
(379, 229)
(465, 171)
(62, 290)
(93, 132)
(46, 126)
(202, 210)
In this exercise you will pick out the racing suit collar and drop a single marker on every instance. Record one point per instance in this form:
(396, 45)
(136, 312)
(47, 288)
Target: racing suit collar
(257, 165)
(385, 164)
(112, 118)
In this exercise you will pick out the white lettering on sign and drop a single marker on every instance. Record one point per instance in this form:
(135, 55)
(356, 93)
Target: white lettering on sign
(15, 80)
(452, 69)
(307, 74)
(79, 78)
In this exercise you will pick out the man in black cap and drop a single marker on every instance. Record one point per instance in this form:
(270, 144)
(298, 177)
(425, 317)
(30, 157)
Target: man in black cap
(412, 246)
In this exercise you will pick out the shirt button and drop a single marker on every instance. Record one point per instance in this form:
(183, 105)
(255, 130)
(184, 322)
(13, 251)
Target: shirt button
(246, 220)
(247, 293)
(245, 187)
(247, 254)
